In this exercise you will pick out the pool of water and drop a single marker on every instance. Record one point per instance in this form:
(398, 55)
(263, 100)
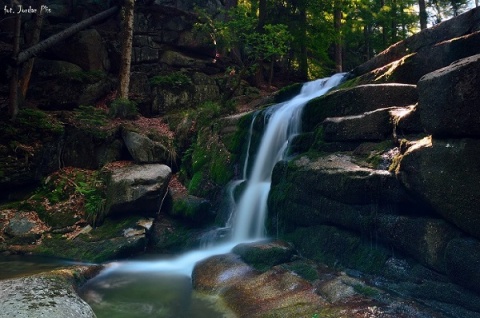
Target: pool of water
(132, 295)
(21, 265)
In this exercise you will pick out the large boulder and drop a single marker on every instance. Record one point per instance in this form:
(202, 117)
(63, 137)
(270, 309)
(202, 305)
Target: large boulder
(449, 102)
(50, 294)
(137, 189)
(86, 49)
(372, 125)
(444, 174)
(413, 66)
(356, 101)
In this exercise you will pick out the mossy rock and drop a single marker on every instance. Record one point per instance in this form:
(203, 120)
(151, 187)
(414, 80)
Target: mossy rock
(106, 242)
(288, 92)
(336, 247)
(264, 255)
(194, 210)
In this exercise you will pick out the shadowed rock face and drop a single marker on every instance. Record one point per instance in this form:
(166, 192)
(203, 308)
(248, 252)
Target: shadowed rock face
(449, 104)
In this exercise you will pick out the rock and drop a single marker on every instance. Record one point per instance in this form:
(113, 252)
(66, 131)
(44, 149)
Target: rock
(356, 101)
(137, 189)
(338, 178)
(217, 272)
(463, 261)
(193, 210)
(144, 150)
(424, 239)
(86, 49)
(24, 227)
(449, 185)
(167, 100)
(264, 255)
(412, 67)
(115, 239)
(50, 295)
(447, 30)
(373, 125)
(406, 120)
(449, 103)
(51, 68)
(177, 59)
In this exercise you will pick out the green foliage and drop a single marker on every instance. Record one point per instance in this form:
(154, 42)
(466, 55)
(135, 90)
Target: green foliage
(90, 117)
(82, 189)
(172, 80)
(94, 206)
(123, 108)
(30, 125)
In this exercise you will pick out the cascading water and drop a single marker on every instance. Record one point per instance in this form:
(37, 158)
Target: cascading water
(246, 222)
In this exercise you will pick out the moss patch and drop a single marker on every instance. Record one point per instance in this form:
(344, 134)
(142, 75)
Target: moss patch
(332, 246)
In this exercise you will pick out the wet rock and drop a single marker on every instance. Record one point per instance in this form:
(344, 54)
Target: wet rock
(356, 101)
(194, 210)
(45, 295)
(264, 255)
(137, 189)
(449, 103)
(450, 185)
(218, 272)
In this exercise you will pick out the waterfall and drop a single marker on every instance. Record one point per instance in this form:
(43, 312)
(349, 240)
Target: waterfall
(283, 122)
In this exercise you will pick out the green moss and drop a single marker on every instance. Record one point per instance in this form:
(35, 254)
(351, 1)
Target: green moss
(172, 80)
(366, 290)
(305, 270)
(288, 92)
(123, 108)
(335, 247)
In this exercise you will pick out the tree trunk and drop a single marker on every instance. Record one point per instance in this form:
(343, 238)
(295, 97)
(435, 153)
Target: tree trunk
(45, 44)
(423, 14)
(337, 21)
(25, 80)
(13, 103)
(303, 59)
(124, 76)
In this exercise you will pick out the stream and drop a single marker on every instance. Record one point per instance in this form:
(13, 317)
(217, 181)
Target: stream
(161, 287)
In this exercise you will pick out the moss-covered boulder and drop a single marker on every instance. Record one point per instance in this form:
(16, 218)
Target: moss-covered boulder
(449, 103)
(356, 101)
(444, 174)
(264, 255)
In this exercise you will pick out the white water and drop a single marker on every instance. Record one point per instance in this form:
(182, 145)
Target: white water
(248, 216)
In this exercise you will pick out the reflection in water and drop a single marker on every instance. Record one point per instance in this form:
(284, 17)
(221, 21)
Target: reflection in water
(13, 266)
(147, 294)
